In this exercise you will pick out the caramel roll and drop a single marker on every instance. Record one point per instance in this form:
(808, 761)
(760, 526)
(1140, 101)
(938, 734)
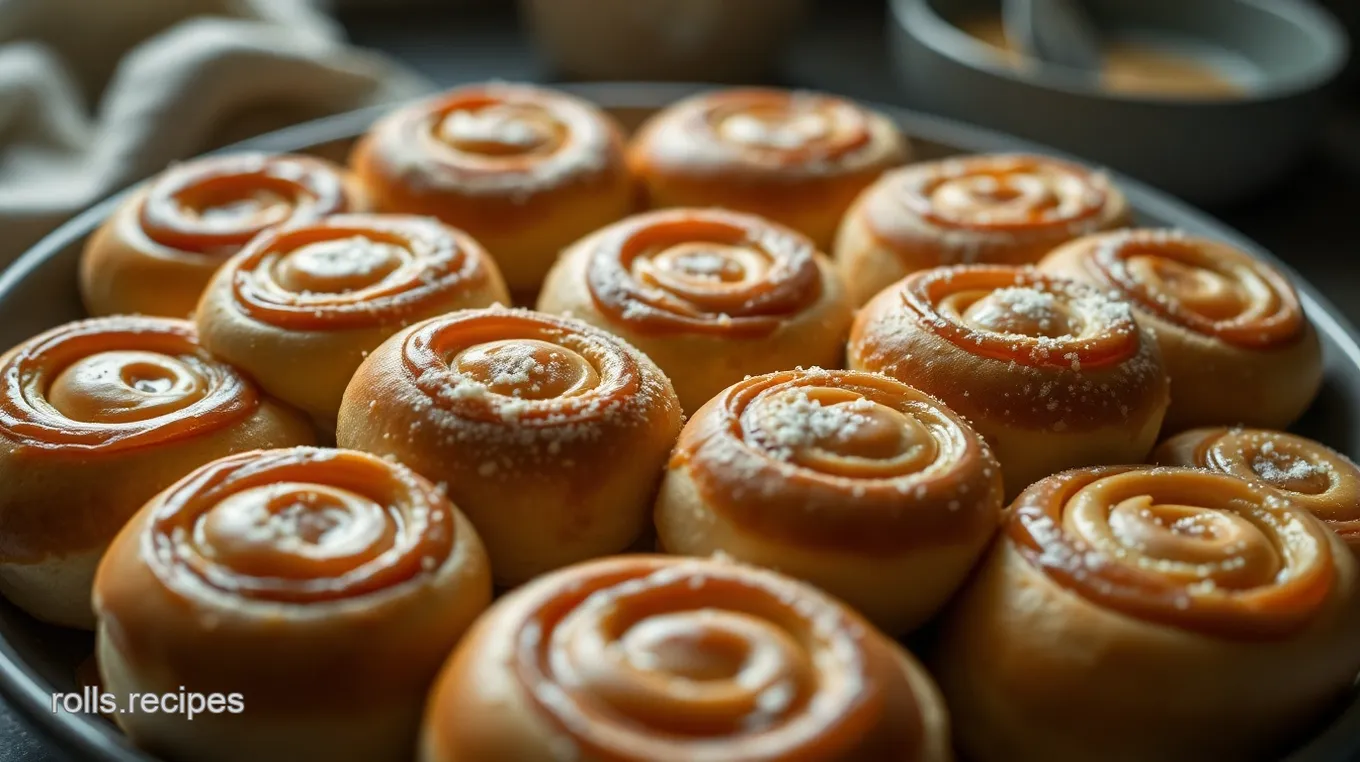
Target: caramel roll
(96, 417)
(550, 434)
(841, 478)
(798, 158)
(523, 169)
(302, 306)
(1000, 209)
(322, 587)
(1138, 613)
(710, 295)
(660, 659)
(1055, 374)
(158, 251)
(1236, 342)
(1311, 474)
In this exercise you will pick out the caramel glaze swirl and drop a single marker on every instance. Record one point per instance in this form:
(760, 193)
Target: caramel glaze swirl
(297, 526)
(259, 573)
(783, 454)
(1312, 475)
(1206, 287)
(215, 206)
(702, 271)
(517, 368)
(650, 658)
(115, 384)
(802, 133)
(356, 271)
(1006, 196)
(494, 140)
(1053, 336)
(531, 420)
(1192, 549)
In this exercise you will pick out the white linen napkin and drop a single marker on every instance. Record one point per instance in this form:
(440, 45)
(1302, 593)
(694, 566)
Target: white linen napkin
(97, 94)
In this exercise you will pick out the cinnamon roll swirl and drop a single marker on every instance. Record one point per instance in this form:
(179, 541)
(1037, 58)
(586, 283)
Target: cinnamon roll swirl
(993, 209)
(158, 251)
(654, 659)
(550, 434)
(323, 588)
(1108, 585)
(96, 417)
(1234, 336)
(1054, 373)
(841, 478)
(523, 169)
(798, 158)
(303, 305)
(710, 295)
(1311, 474)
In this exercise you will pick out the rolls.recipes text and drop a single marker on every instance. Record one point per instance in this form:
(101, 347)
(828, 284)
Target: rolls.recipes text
(94, 700)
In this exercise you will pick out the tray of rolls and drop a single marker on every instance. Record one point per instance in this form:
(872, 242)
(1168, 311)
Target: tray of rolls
(638, 422)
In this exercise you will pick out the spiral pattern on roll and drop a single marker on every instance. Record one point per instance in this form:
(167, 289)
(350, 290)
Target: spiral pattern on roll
(1189, 548)
(300, 526)
(650, 658)
(503, 366)
(117, 383)
(1312, 475)
(216, 205)
(354, 271)
(1023, 316)
(842, 459)
(796, 130)
(1014, 194)
(702, 271)
(1201, 285)
(496, 139)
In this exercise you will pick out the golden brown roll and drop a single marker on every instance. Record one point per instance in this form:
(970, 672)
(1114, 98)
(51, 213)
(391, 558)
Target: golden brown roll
(869, 489)
(711, 295)
(322, 588)
(1055, 374)
(551, 435)
(1132, 614)
(1236, 342)
(1007, 209)
(798, 158)
(523, 169)
(96, 417)
(1313, 476)
(661, 659)
(303, 305)
(155, 255)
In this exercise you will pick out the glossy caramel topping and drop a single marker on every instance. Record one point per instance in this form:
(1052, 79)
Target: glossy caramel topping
(702, 271)
(667, 659)
(300, 526)
(215, 206)
(1020, 315)
(498, 139)
(841, 459)
(1312, 475)
(1002, 193)
(764, 131)
(1201, 285)
(1192, 549)
(515, 368)
(116, 383)
(354, 271)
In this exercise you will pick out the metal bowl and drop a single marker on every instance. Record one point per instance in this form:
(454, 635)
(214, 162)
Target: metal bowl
(38, 292)
(1209, 152)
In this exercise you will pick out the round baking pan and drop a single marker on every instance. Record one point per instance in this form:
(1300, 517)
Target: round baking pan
(38, 291)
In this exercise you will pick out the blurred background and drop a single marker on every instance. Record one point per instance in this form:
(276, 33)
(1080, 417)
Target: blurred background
(1248, 108)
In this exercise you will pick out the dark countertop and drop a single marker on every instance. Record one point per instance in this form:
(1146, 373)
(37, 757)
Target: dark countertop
(1307, 220)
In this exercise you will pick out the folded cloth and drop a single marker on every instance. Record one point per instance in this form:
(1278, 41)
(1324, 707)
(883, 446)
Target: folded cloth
(97, 94)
